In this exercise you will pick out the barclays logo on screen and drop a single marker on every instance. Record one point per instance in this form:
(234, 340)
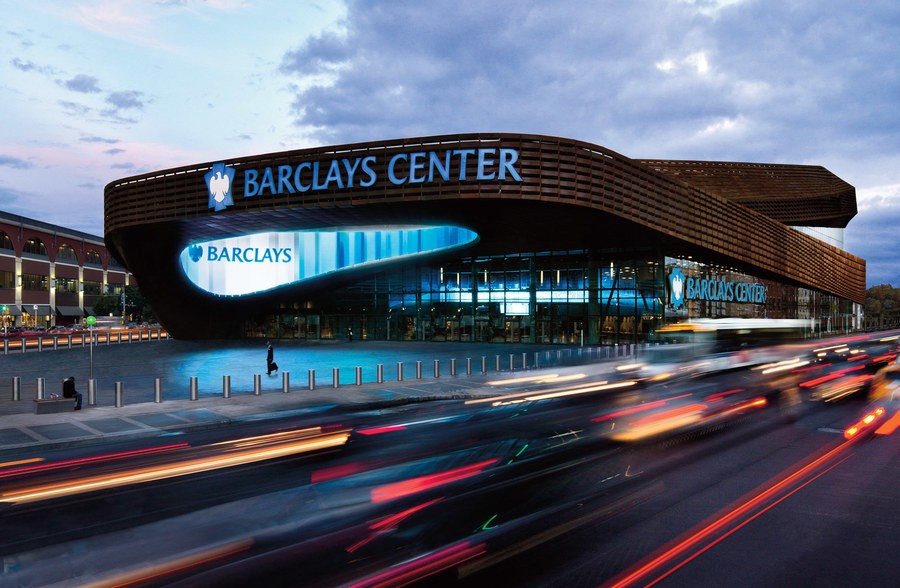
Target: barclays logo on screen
(195, 252)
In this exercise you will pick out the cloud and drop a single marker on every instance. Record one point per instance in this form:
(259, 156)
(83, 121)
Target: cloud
(30, 66)
(82, 83)
(98, 139)
(131, 99)
(75, 109)
(114, 151)
(122, 166)
(14, 162)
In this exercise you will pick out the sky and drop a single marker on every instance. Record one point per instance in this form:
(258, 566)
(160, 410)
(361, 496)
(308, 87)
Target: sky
(97, 90)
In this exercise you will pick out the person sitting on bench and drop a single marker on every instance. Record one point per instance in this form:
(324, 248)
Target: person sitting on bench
(69, 391)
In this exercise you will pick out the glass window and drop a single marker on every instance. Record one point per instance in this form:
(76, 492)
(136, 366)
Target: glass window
(69, 285)
(93, 257)
(35, 282)
(66, 253)
(5, 241)
(35, 246)
(92, 288)
(7, 279)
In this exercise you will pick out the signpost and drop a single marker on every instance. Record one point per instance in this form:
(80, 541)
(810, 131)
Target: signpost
(90, 322)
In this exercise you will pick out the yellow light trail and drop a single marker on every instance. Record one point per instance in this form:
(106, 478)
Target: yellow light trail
(240, 456)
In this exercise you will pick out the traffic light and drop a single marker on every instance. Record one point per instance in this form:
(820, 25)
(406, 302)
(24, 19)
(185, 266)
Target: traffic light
(3, 309)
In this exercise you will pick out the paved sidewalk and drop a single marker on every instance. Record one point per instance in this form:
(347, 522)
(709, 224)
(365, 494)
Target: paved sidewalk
(92, 423)
(21, 429)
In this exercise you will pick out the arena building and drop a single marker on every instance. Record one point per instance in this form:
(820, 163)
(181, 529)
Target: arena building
(51, 275)
(483, 237)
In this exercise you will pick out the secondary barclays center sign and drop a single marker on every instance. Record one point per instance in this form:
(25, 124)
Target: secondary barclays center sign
(683, 288)
(420, 167)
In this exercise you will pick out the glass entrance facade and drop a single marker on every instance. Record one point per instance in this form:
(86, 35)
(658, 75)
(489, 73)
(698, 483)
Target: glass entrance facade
(554, 297)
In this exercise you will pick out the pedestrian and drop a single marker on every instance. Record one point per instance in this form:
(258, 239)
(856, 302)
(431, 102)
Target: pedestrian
(349, 334)
(69, 391)
(271, 366)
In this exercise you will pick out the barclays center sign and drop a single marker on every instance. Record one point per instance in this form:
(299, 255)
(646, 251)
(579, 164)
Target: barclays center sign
(682, 288)
(420, 167)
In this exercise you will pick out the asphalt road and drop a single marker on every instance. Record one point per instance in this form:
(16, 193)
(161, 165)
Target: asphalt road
(748, 506)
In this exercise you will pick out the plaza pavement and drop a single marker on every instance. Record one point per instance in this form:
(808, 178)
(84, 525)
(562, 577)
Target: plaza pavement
(138, 365)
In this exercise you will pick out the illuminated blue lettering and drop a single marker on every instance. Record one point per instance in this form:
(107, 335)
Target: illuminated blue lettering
(268, 181)
(367, 169)
(463, 157)
(267, 255)
(316, 185)
(508, 157)
(212, 253)
(351, 170)
(334, 175)
(301, 187)
(284, 179)
(483, 162)
(287, 255)
(236, 254)
(416, 163)
(391, 175)
(251, 186)
(442, 167)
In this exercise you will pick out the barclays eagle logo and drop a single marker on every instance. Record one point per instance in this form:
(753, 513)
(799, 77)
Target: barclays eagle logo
(195, 252)
(676, 288)
(218, 182)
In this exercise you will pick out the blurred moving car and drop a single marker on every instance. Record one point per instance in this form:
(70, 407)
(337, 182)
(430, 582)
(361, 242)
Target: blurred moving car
(885, 383)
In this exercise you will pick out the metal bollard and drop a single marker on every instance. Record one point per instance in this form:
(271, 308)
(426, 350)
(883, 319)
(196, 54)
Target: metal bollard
(5, 347)
(55, 342)
(358, 376)
(226, 386)
(24, 343)
(119, 338)
(418, 370)
(40, 344)
(16, 388)
(524, 361)
(120, 394)
(39, 389)
(379, 373)
(312, 379)
(497, 362)
(483, 364)
(468, 366)
(336, 377)
(257, 384)
(512, 364)
(537, 360)
(437, 368)
(453, 367)
(399, 371)
(108, 338)
(157, 390)
(92, 392)
(69, 341)
(285, 382)
(194, 392)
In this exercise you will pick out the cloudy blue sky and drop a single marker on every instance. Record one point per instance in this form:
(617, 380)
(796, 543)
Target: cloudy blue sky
(95, 90)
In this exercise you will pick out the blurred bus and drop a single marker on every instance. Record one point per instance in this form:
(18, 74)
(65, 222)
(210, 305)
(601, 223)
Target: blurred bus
(734, 334)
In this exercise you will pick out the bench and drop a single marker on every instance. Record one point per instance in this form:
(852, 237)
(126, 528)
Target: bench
(49, 405)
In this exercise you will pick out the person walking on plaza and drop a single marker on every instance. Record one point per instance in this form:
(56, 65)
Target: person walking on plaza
(271, 366)
(69, 391)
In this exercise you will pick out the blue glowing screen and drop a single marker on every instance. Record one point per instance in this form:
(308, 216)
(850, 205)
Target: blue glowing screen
(238, 266)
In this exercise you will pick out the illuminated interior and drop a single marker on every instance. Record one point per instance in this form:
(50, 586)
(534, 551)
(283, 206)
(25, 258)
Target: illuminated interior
(251, 264)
